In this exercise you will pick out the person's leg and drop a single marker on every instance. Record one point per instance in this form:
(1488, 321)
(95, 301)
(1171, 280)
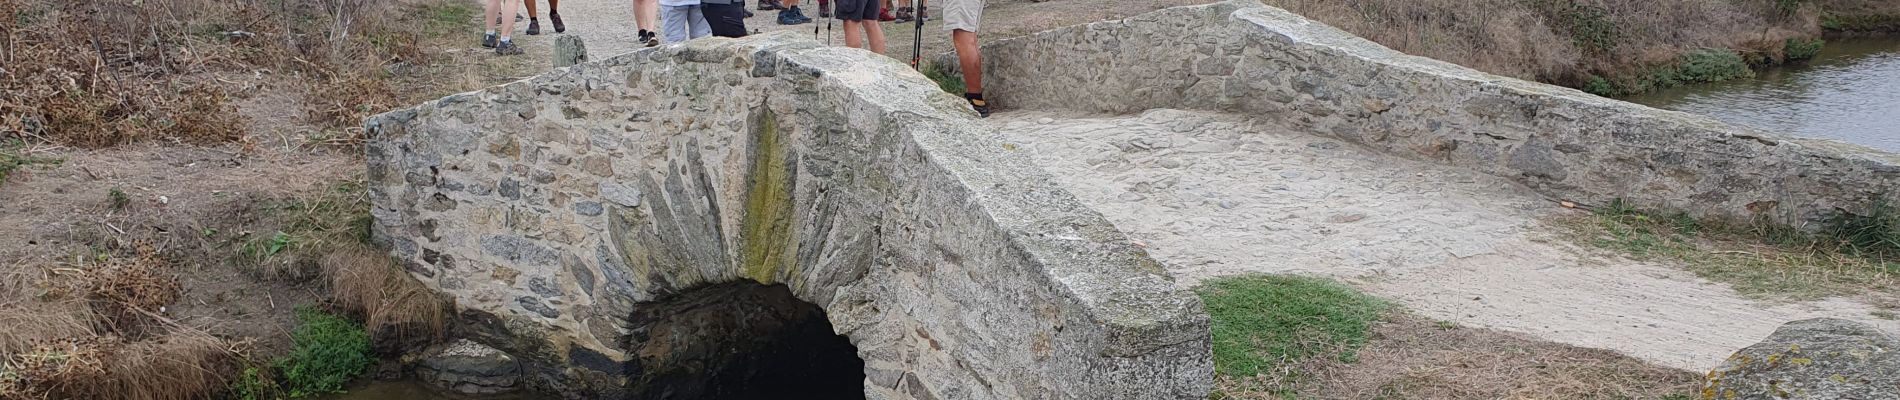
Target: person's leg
(506, 46)
(876, 33)
(969, 59)
(696, 16)
(534, 18)
(646, 14)
(673, 25)
(491, 10)
(852, 37)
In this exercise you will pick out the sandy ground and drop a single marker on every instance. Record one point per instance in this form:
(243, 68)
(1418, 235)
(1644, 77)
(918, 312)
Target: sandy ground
(1213, 195)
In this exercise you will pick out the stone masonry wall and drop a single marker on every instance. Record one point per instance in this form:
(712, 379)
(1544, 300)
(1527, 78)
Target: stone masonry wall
(551, 208)
(1241, 56)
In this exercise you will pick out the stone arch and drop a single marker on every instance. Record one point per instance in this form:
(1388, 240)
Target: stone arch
(956, 267)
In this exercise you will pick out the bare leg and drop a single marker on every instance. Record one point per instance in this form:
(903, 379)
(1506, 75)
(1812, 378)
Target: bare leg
(646, 14)
(791, 3)
(554, 6)
(876, 32)
(970, 59)
(852, 37)
(490, 10)
(507, 17)
(531, 11)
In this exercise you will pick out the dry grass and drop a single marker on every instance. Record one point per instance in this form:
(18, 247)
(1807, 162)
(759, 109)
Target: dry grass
(1411, 357)
(33, 312)
(179, 365)
(397, 310)
(130, 294)
(106, 72)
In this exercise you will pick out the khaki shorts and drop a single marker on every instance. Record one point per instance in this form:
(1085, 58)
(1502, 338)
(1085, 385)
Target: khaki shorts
(960, 14)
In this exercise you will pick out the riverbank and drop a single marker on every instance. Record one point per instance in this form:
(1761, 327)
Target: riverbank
(1607, 47)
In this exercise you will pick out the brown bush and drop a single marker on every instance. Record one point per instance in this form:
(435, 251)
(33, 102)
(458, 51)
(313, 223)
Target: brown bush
(104, 72)
(130, 294)
(182, 364)
(32, 312)
(398, 311)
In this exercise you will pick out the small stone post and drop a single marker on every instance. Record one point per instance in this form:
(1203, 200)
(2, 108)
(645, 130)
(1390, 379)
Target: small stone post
(568, 50)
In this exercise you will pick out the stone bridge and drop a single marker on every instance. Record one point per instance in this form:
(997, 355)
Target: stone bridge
(732, 218)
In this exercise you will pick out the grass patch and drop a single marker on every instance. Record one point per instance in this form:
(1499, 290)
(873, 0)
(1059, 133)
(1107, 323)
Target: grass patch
(398, 311)
(1799, 49)
(330, 350)
(1757, 259)
(1261, 322)
(13, 157)
(950, 82)
(308, 227)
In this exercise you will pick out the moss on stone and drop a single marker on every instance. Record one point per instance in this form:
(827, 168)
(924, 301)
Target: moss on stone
(766, 231)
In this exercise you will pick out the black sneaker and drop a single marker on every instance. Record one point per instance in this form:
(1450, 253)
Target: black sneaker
(555, 17)
(534, 26)
(488, 40)
(981, 106)
(649, 38)
(507, 48)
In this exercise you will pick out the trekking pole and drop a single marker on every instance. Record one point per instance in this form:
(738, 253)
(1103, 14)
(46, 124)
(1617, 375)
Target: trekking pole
(917, 40)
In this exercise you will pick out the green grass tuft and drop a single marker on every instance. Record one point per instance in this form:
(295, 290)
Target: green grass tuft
(330, 350)
(950, 82)
(1799, 49)
(117, 199)
(12, 159)
(1264, 320)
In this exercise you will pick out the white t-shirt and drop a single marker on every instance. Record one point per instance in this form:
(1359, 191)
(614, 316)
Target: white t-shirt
(677, 3)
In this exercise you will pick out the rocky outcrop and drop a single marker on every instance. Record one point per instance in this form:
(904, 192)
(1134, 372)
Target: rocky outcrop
(467, 367)
(1815, 359)
(1244, 57)
(558, 207)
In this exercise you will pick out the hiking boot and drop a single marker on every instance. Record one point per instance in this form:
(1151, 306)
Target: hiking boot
(981, 106)
(884, 15)
(488, 40)
(650, 38)
(555, 17)
(824, 9)
(791, 16)
(507, 48)
(769, 5)
(903, 14)
(534, 26)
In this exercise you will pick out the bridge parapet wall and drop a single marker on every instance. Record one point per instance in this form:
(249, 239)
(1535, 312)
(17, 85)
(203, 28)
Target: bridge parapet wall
(551, 208)
(1244, 57)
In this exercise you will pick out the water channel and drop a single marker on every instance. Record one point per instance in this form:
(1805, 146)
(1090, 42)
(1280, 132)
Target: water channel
(1850, 92)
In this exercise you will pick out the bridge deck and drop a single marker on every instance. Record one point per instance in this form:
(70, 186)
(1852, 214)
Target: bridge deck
(1214, 194)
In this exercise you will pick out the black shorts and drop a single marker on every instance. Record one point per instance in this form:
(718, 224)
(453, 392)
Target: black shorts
(857, 10)
(726, 20)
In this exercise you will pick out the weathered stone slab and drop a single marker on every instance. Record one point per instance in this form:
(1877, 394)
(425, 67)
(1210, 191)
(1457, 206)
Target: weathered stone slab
(956, 267)
(1244, 57)
(1814, 359)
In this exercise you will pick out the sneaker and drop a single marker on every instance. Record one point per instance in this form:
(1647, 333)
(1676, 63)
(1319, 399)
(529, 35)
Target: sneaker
(824, 9)
(507, 48)
(649, 37)
(981, 106)
(790, 16)
(769, 5)
(534, 26)
(903, 14)
(801, 13)
(488, 40)
(884, 15)
(555, 17)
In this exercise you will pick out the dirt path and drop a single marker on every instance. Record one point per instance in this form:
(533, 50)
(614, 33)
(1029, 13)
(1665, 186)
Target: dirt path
(1214, 195)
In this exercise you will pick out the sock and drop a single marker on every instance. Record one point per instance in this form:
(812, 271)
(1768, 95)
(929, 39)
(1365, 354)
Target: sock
(491, 32)
(505, 39)
(973, 96)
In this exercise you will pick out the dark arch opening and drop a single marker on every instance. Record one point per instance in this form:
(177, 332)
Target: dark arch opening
(740, 341)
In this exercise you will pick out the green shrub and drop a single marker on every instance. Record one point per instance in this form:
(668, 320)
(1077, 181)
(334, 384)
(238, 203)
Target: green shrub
(254, 384)
(950, 82)
(1601, 87)
(1876, 232)
(1798, 49)
(330, 350)
(1259, 321)
(1590, 27)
